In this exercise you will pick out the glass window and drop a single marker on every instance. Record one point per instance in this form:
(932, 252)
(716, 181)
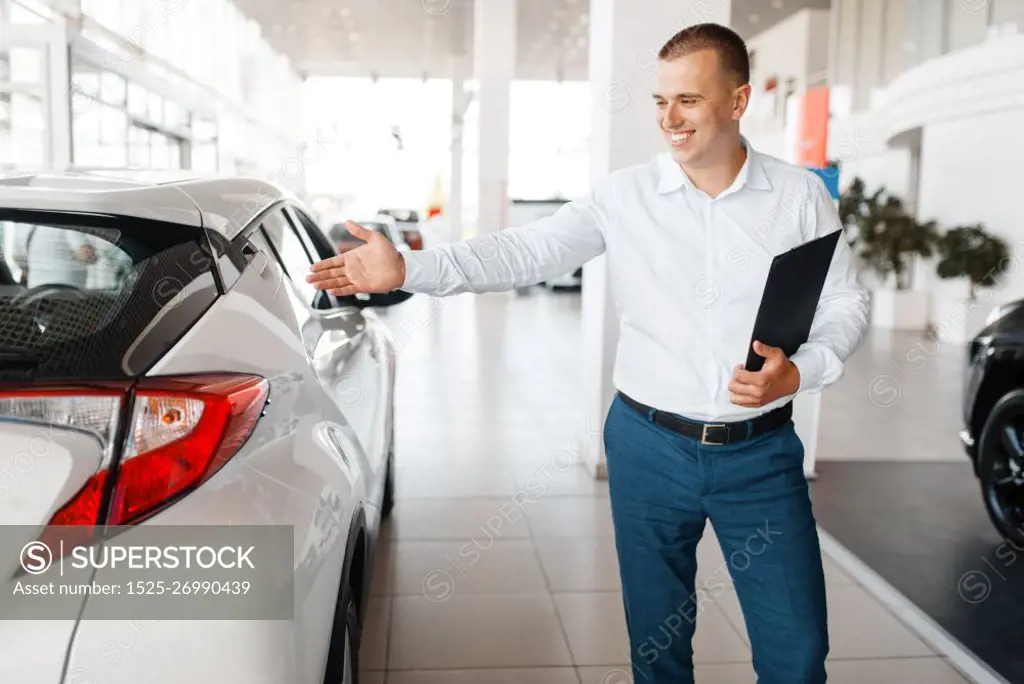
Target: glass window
(138, 100)
(80, 295)
(113, 89)
(293, 254)
(138, 147)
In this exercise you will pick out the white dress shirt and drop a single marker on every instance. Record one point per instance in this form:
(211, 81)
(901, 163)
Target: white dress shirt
(686, 272)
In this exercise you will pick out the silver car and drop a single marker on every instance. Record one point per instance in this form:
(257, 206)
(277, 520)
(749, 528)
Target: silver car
(164, 362)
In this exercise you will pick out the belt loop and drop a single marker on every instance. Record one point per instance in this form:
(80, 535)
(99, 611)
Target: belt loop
(750, 429)
(650, 414)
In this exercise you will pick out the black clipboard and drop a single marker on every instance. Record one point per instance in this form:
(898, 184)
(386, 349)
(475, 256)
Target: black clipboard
(791, 296)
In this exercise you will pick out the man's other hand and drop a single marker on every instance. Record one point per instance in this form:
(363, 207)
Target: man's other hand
(778, 377)
(373, 268)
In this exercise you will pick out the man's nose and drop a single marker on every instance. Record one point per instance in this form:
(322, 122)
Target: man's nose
(671, 118)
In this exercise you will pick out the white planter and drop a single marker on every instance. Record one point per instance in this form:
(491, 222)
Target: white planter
(962, 321)
(806, 417)
(893, 309)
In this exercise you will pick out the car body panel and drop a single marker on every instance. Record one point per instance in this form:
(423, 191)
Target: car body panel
(316, 460)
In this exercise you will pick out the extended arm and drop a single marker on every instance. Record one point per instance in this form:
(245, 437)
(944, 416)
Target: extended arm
(514, 257)
(841, 319)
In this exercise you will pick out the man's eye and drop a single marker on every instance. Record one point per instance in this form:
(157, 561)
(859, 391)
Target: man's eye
(689, 101)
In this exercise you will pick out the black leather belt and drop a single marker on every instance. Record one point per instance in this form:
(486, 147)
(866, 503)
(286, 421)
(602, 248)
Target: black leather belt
(716, 433)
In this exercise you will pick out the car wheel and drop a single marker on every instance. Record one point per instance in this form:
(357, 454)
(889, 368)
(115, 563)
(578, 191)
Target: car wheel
(1001, 465)
(388, 504)
(343, 667)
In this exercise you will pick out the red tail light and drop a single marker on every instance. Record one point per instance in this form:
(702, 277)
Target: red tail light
(182, 431)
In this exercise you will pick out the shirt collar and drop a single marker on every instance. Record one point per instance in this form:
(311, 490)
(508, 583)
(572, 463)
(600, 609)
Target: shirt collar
(752, 173)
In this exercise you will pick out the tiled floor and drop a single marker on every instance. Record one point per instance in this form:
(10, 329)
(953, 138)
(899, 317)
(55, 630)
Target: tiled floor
(499, 567)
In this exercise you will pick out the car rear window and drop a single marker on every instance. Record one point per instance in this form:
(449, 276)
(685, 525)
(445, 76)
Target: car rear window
(87, 297)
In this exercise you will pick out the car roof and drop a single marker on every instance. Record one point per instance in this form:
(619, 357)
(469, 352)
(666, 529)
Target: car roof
(224, 204)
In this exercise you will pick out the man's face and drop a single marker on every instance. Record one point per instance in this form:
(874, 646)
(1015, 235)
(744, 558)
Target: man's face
(697, 102)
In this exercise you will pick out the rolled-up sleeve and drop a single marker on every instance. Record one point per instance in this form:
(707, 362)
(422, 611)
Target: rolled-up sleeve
(515, 257)
(841, 319)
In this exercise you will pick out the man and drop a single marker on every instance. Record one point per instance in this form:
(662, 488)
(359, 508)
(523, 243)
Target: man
(689, 238)
(49, 255)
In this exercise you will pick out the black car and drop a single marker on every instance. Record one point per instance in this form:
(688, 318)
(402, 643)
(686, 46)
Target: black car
(993, 415)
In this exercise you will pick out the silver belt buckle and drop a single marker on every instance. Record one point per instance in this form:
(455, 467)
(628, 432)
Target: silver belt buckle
(704, 433)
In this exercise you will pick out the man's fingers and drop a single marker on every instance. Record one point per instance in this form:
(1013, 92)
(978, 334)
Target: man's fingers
(765, 351)
(739, 388)
(743, 400)
(358, 231)
(327, 274)
(344, 291)
(327, 264)
(746, 377)
(333, 283)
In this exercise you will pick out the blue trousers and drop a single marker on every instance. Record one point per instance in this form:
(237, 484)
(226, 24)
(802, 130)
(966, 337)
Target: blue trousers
(664, 487)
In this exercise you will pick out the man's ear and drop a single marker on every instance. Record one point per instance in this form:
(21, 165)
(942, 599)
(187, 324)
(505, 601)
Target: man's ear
(741, 98)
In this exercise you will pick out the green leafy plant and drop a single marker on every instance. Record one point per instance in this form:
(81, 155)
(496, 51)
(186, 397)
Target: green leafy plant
(889, 237)
(851, 203)
(973, 253)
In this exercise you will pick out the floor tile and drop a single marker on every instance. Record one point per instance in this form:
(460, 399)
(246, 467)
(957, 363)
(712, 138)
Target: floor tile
(704, 673)
(374, 648)
(580, 564)
(834, 574)
(525, 675)
(466, 520)
(469, 631)
(559, 476)
(498, 567)
(371, 677)
(568, 516)
(859, 626)
(476, 481)
(901, 670)
(596, 629)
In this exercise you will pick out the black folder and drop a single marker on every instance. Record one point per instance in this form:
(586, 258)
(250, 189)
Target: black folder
(791, 296)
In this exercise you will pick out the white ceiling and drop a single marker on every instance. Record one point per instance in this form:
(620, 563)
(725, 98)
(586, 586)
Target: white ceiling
(413, 38)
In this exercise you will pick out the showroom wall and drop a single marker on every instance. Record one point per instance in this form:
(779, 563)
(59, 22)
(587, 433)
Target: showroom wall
(927, 100)
(794, 55)
(970, 173)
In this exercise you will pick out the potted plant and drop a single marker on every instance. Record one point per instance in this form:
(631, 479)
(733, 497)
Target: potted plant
(888, 240)
(972, 254)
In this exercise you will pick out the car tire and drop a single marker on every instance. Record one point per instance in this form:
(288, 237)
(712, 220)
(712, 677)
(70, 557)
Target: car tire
(343, 661)
(1001, 465)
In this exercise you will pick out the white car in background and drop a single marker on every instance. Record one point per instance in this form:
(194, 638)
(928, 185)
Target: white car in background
(268, 402)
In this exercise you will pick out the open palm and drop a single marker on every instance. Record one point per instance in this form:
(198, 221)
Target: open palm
(375, 267)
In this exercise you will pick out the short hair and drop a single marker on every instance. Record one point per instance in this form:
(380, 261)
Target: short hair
(732, 51)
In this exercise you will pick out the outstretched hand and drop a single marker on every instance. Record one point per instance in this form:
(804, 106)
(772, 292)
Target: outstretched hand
(373, 268)
(778, 377)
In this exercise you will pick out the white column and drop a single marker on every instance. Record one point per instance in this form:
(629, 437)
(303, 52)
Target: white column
(495, 59)
(624, 46)
(460, 102)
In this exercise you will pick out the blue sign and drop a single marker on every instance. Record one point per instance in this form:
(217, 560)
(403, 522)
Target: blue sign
(830, 175)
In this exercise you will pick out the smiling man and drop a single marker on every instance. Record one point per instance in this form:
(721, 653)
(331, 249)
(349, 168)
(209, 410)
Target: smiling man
(691, 436)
